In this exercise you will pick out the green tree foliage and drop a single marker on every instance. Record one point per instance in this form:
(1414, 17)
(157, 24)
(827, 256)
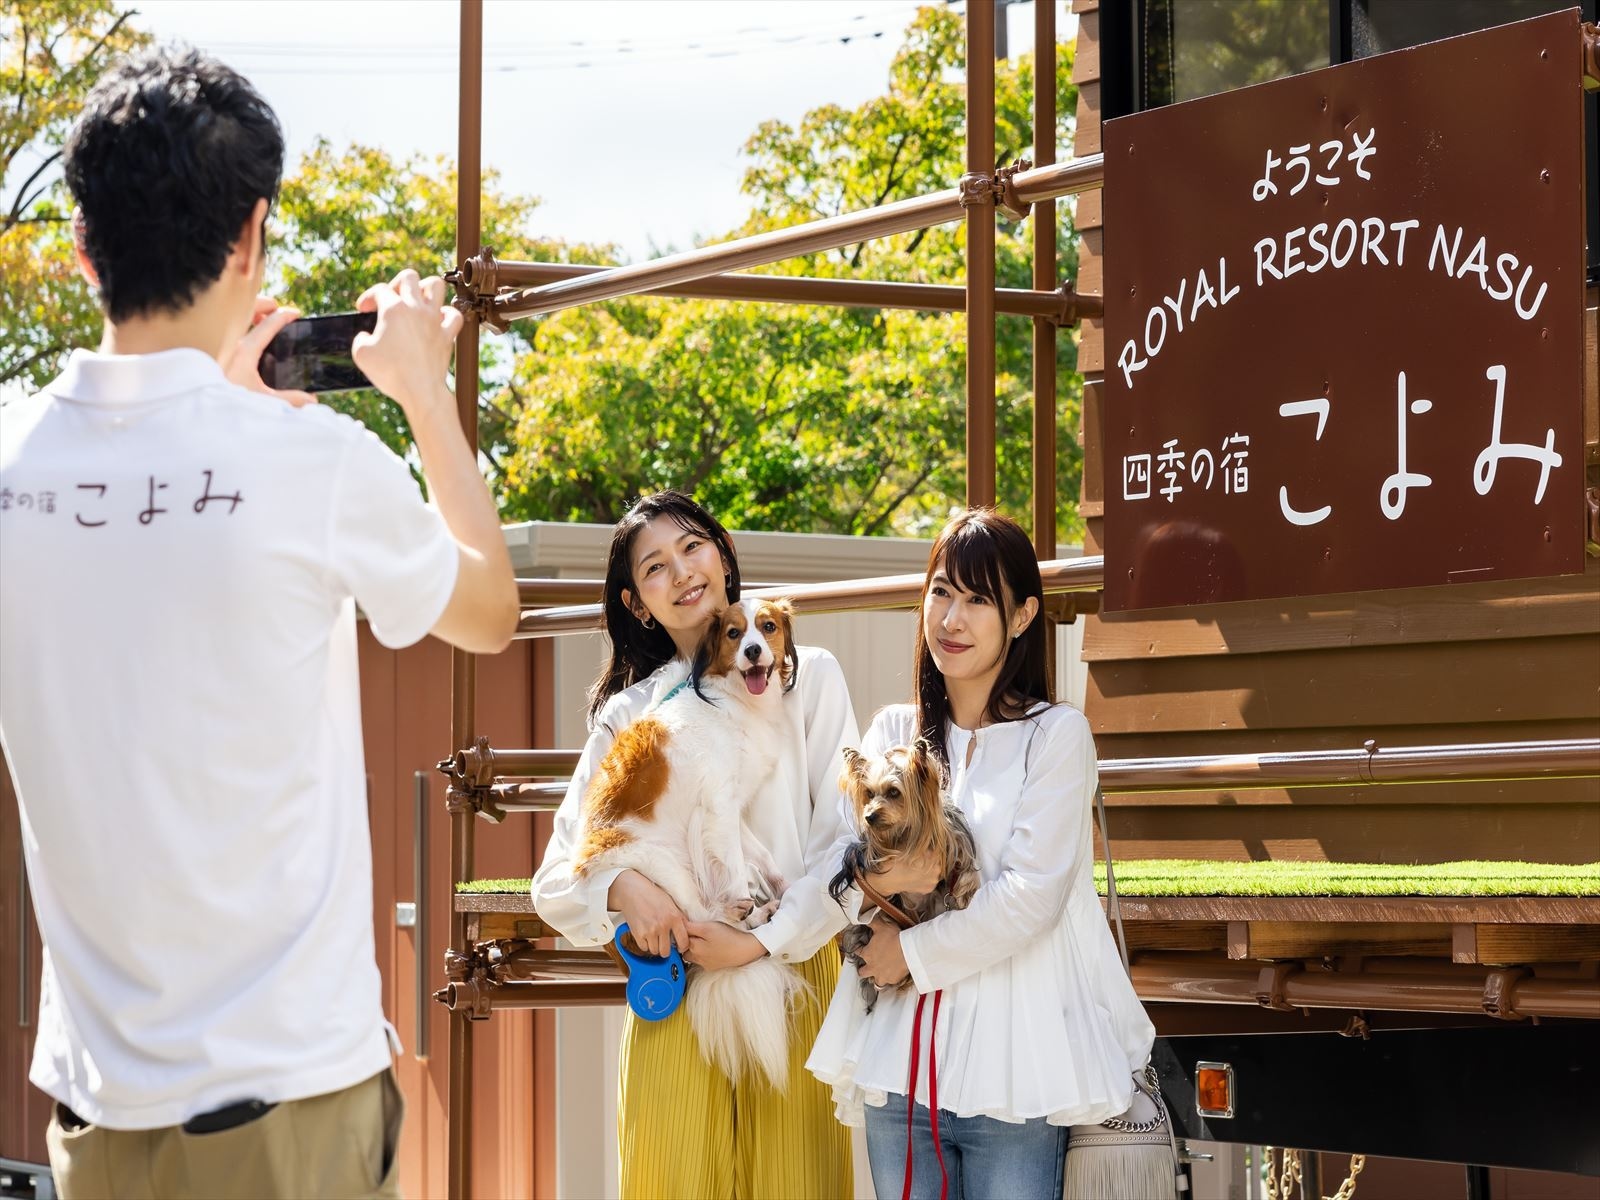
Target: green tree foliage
(346, 220)
(51, 52)
(828, 420)
(780, 417)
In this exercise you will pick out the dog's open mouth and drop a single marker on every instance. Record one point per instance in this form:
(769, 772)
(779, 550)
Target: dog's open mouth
(756, 679)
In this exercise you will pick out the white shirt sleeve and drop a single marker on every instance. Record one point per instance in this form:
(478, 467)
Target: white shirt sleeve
(386, 546)
(807, 916)
(1039, 867)
(576, 905)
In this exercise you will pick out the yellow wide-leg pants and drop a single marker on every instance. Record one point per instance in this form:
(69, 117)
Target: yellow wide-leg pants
(686, 1133)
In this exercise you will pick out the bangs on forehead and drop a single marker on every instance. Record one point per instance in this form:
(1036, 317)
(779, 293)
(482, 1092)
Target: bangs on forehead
(682, 520)
(970, 562)
(685, 523)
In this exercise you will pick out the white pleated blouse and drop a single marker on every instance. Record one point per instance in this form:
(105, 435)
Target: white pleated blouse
(1037, 1018)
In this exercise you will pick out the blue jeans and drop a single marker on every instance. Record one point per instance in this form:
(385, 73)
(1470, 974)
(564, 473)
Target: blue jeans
(986, 1159)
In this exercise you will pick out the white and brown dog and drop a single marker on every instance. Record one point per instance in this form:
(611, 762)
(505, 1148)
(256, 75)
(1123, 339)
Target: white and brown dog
(671, 799)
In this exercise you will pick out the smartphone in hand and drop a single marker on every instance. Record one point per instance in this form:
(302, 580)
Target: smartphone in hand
(313, 354)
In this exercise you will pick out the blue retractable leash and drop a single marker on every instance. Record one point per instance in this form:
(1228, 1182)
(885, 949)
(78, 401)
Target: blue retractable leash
(655, 985)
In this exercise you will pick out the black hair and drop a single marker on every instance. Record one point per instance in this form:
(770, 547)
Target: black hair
(979, 549)
(166, 161)
(636, 652)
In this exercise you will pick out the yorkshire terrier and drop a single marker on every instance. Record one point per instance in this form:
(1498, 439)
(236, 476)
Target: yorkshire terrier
(900, 809)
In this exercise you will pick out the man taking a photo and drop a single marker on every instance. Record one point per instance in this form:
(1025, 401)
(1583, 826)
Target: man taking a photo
(181, 557)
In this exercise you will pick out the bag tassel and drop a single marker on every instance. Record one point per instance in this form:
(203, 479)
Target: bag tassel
(1119, 1173)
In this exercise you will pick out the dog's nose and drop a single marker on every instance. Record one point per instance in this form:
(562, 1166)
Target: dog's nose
(874, 817)
(753, 653)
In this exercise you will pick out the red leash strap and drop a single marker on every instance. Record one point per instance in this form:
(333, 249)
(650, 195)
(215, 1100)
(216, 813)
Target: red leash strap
(911, 1093)
(933, 1094)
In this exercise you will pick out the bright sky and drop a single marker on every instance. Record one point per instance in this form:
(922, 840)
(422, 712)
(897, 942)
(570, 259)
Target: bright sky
(582, 98)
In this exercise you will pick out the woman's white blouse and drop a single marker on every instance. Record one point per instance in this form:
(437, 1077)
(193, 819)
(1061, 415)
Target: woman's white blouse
(1038, 1018)
(800, 816)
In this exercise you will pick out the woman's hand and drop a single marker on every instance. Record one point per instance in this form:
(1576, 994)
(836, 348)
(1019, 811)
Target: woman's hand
(883, 962)
(914, 874)
(654, 921)
(713, 945)
(242, 361)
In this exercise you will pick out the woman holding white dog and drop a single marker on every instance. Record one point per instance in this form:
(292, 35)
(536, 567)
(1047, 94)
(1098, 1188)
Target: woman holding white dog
(1035, 1027)
(685, 1129)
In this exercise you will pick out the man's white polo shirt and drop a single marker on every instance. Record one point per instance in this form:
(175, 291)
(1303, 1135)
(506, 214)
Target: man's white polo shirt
(180, 562)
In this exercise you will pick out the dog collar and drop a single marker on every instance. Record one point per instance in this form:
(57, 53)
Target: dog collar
(683, 683)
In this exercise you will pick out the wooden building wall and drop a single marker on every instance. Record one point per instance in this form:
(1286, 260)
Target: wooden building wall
(405, 703)
(1470, 663)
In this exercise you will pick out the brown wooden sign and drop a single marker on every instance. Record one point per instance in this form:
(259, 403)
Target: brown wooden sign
(1343, 327)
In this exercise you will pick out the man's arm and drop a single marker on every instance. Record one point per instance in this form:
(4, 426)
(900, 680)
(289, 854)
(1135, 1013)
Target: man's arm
(406, 357)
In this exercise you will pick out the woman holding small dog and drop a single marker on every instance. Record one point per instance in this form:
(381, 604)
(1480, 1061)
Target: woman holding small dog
(1034, 1026)
(684, 1128)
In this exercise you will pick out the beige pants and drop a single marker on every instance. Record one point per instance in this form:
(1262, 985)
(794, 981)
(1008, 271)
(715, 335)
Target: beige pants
(341, 1144)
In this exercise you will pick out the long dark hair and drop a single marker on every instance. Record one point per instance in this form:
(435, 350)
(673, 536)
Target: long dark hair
(978, 550)
(637, 652)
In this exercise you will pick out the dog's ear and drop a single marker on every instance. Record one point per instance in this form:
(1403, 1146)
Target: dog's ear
(922, 766)
(791, 652)
(706, 653)
(855, 769)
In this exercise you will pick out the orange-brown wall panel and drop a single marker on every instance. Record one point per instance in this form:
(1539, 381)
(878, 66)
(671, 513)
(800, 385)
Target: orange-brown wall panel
(406, 722)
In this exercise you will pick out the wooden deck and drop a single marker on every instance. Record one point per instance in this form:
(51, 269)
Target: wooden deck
(1497, 930)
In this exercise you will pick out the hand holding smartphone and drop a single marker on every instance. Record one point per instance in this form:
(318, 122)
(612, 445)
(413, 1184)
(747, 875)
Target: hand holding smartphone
(313, 354)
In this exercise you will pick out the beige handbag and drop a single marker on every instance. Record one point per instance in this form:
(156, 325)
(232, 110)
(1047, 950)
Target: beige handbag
(1133, 1156)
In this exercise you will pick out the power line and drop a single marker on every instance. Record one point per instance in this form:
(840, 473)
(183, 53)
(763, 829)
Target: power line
(564, 50)
(554, 63)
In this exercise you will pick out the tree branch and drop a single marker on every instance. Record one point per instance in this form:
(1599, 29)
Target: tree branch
(21, 205)
(866, 497)
(14, 371)
(882, 518)
(766, 396)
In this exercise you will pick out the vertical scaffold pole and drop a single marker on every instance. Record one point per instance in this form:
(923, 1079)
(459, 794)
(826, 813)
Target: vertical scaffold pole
(979, 203)
(463, 666)
(1044, 279)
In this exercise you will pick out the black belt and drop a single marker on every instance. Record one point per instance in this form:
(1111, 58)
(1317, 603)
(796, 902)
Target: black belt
(229, 1116)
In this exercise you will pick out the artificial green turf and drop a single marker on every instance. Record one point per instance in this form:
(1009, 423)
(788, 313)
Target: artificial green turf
(496, 887)
(1190, 877)
(1179, 877)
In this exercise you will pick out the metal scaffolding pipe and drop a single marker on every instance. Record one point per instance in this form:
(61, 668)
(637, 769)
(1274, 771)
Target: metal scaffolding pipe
(830, 233)
(1479, 762)
(535, 592)
(1059, 306)
(1174, 976)
(758, 250)
(527, 797)
(979, 200)
(1044, 332)
(480, 765)
(1059, 179)
(546, 993)
(1474, 762)
(463, 666)
(851, 595)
